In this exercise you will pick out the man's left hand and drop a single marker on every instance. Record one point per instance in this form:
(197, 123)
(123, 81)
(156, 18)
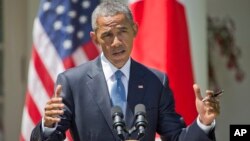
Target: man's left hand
(208, 107)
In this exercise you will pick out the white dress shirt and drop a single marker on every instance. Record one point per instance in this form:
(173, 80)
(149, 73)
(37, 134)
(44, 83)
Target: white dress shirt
(109, 71)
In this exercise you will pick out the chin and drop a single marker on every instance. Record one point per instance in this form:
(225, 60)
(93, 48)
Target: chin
(119, 63)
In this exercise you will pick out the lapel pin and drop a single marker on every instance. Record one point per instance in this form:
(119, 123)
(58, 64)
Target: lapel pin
(140, 86)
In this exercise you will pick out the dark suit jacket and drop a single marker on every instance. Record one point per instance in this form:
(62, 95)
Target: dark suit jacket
(87, 110)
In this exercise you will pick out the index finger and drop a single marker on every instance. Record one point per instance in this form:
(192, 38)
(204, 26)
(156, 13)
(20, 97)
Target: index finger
(197, 91)
(58, 91)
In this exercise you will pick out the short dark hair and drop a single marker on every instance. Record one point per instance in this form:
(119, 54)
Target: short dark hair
(110, 8)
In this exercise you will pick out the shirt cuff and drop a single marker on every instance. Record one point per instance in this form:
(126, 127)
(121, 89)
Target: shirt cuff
(205, 128)
(47, 131)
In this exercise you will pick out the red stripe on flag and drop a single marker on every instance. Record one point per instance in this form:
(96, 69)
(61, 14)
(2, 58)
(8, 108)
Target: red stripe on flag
(32, 109)
(68, 62)
(21, 138)
(69, 135)
(90, 50)
(42, 72)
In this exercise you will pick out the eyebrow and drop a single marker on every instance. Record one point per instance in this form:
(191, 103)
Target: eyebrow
(105, 33)
(123, 27)
(109, 31)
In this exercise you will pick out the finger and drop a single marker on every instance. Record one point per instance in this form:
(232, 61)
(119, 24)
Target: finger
(197, 91)
(209, 93)
(53, 113)
(213, 110)
(58, 90)
(49, 121)
(212, 107)
(209, 96)
(55, 100)
(212, 100)
(211, 104)
(54, 106)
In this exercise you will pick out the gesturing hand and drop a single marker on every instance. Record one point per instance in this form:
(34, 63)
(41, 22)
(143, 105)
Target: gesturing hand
(53, 109)
(208, 108)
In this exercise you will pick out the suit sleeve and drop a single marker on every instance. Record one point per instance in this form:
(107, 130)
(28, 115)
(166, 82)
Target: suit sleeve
(171, 125)
(66, 118)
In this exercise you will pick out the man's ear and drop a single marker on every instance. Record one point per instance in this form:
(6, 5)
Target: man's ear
(93, 37)
(135, 28)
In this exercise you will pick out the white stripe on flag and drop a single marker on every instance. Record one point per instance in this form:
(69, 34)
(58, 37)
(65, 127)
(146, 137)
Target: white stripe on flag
(47, 51)
(27, 125)
(36, 88)
(157, 139)
(79, 56)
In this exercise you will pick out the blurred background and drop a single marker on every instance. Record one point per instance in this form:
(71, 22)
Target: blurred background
(219, 36)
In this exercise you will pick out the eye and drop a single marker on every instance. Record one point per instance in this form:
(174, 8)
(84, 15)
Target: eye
(108, 34)
(123, 30)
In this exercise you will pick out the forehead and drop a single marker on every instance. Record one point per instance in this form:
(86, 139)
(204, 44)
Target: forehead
(112, 21)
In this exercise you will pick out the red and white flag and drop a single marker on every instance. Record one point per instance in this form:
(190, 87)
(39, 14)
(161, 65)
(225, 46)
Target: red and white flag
(60, 41)
(162, 42)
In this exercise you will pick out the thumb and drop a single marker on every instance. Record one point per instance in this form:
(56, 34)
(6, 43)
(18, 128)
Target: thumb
(58, 90)
(197, 91)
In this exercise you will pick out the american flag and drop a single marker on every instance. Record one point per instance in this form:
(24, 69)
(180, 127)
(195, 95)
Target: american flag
(60, 41)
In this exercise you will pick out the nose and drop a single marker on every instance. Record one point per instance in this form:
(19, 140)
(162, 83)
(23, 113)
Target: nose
(116, 42)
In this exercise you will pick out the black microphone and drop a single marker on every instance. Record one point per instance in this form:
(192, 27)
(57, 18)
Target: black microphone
(118, 123)
(140, 120)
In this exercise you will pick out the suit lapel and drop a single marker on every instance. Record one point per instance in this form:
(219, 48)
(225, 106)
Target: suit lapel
(136, 90)
(98, 85)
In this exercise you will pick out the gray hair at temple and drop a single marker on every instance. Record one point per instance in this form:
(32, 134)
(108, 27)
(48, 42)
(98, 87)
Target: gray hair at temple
(110, 8)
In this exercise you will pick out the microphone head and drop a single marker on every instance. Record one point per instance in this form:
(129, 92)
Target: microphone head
(140, 121)
(116, 110)
(140, 109)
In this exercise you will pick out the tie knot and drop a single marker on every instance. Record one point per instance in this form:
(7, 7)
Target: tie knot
(118, 74)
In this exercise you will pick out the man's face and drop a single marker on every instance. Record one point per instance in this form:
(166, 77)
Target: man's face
(115, 35)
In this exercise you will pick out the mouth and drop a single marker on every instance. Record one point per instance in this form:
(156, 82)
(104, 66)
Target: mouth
(119, 52)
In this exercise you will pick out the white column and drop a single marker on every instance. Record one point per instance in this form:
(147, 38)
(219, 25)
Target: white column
(18, 23)
(197, 24)
(15, 46)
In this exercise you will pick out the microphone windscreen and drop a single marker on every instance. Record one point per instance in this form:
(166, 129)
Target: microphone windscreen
(116, 109)
(140, 108)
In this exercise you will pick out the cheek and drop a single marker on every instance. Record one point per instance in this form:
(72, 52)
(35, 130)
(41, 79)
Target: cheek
(106, 49)
(106, 42)
(129, 43)
(128, 40)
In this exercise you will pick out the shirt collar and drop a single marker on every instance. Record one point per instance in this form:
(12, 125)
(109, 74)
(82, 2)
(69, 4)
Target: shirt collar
(109, 69)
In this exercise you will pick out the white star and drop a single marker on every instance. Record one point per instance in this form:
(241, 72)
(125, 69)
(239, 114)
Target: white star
(74, 1)
(85, 4)
(57, 25)
(72, 14)
(46, 6)
(83, 19)
(60, 9)
(70, 29)
(67, 44)
(80, 34)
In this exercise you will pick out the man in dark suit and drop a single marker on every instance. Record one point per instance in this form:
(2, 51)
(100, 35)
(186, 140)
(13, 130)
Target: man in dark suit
(84, 95)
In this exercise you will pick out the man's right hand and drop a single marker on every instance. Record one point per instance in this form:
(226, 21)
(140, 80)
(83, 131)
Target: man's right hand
(53, 109)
